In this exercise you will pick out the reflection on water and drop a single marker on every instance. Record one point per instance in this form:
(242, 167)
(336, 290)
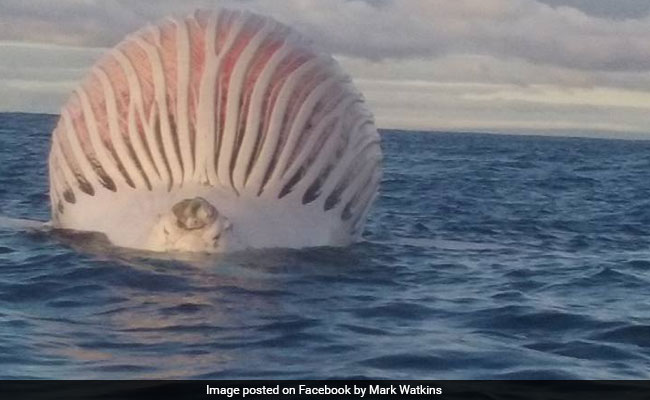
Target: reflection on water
(186, 315)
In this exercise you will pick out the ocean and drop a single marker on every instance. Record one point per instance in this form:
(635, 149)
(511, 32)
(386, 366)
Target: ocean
(486, 256)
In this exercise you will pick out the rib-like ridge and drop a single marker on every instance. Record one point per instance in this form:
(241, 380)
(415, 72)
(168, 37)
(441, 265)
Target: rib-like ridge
(228, 100)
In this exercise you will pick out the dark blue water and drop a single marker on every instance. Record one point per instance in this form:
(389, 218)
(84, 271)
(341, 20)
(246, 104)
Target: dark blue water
(487, 256)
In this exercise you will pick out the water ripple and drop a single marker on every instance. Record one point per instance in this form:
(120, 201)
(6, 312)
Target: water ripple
(486, 256)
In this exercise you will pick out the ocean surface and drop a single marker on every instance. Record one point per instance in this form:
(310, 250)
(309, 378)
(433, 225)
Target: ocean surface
(485, 256)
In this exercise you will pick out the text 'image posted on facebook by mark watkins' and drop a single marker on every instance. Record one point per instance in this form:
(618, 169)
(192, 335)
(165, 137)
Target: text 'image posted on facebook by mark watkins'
(352, 390)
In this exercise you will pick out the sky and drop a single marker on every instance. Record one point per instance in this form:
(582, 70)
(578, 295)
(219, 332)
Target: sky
(557, 67)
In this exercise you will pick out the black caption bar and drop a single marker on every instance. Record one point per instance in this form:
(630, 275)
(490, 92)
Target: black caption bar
(324, 390)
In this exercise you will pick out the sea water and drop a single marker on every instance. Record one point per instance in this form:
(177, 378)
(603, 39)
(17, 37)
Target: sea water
(485, 256)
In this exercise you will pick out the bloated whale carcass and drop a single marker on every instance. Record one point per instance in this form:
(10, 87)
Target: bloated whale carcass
(215, 132)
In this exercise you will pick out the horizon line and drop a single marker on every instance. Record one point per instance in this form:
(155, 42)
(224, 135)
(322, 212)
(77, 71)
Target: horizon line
(577, 133)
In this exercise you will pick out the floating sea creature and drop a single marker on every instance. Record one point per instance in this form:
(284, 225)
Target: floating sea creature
(215, 132)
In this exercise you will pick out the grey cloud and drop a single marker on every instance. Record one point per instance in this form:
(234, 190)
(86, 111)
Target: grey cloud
(408, 56)
(526, 29)
(69, 22)
(19, 55)
(493, 70)
(448, 109)
(616, 9)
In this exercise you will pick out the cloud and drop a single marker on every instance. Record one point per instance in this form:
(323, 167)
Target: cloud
(527, 29)
(492, 69)
(505, 107)
(38, 77)
(520, 65)
(619, 9)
